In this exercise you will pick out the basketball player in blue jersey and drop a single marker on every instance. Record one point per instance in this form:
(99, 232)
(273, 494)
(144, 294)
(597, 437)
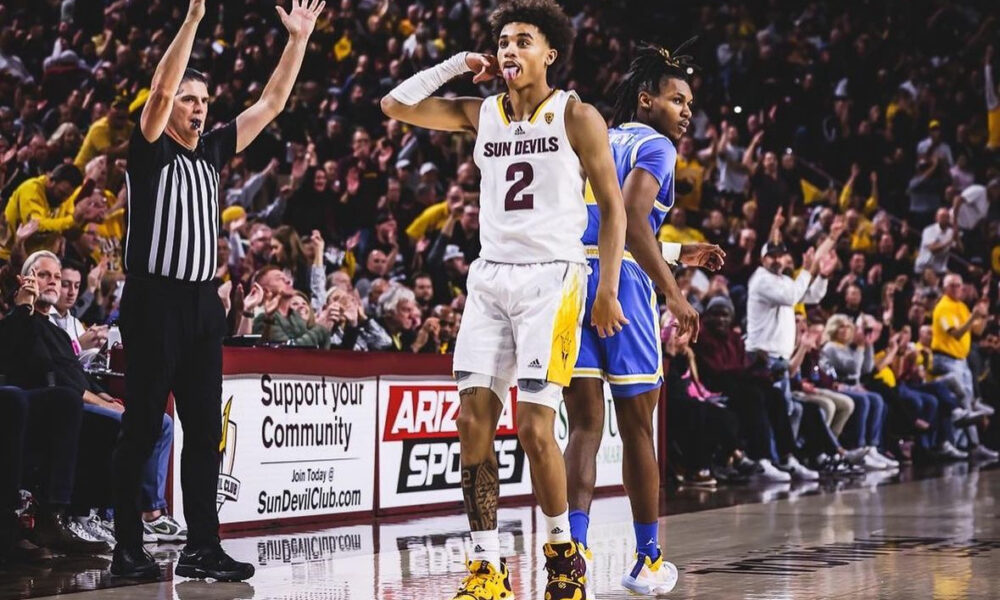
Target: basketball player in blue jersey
(652, 108)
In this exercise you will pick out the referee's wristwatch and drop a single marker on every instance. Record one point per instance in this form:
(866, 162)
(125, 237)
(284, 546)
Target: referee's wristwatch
(248, 314)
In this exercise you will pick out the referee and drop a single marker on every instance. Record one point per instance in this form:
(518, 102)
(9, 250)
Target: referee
(172, 321)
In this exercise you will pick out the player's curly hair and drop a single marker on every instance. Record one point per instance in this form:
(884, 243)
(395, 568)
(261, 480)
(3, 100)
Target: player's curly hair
(650, 66)
(546, 15)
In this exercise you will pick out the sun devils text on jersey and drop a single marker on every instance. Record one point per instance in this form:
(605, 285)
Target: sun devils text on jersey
(532, 208)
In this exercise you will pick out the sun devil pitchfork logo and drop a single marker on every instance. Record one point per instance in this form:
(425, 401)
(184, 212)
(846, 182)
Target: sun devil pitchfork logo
(229, 486)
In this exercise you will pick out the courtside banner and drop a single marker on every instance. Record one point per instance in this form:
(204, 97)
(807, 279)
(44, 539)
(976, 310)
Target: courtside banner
(609, 456)
(419, 460)
(292, 446)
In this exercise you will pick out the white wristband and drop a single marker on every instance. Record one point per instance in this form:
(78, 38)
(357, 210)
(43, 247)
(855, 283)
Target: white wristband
(671, 252)
(426, 82)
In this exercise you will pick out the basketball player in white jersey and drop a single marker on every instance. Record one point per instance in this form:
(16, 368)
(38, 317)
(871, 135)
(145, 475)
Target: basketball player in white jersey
(526, 292)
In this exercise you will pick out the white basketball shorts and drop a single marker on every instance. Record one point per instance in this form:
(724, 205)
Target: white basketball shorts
(522, 321)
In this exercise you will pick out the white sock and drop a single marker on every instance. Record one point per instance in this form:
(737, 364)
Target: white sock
(486, 546)
(557, 528)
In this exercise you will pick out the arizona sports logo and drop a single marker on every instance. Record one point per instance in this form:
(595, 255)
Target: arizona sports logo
(229, 486)
(422, 418)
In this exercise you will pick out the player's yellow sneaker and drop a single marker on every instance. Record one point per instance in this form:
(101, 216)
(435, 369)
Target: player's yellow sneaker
(567, 572)
(650, 577)
(485, 582)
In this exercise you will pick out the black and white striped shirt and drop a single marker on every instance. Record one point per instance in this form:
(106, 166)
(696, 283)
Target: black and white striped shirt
(173, 204)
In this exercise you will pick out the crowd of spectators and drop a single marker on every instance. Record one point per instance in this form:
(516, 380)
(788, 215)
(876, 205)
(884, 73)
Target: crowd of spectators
(846, 158)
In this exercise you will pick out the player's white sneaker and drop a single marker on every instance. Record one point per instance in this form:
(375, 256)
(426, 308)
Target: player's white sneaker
(588, 557)
(649, 578)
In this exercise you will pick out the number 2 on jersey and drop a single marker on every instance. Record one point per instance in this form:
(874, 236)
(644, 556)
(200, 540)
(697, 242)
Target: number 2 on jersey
(527, 175)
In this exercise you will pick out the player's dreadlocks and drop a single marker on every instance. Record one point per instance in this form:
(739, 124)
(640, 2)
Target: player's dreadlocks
(645, 74)
(546, 15)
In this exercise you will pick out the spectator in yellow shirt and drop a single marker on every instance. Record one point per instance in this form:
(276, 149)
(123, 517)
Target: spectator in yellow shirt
(689, 175)
(103, 239)
(677, 230)
(435, 215)
(951, 341)
(861, 232)
(848, 199)
(46, 199)
(108, 135)
(992, 103)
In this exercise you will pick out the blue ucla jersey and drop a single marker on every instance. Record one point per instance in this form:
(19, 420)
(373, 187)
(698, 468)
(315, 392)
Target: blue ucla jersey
(630, 361)
(634, 145)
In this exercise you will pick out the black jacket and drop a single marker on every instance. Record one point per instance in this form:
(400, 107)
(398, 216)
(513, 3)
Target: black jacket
(36, 353)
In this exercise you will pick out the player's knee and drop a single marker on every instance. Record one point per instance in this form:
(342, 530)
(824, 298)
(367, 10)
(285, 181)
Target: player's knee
(586, 425)
(534, 435)
(471, 424)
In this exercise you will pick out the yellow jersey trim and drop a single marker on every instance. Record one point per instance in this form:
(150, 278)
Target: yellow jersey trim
(538, 110)
(565, 347)
(503, 113)
(593, 252)
(534, 115)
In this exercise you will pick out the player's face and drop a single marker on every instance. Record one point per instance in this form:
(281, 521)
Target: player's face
(669, 111)
(524, 55)
(190, 108)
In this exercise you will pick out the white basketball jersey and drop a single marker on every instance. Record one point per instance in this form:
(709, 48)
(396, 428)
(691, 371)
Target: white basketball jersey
(531, 203)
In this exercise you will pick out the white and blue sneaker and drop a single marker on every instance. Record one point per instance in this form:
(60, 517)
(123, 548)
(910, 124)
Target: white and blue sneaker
(650, 578)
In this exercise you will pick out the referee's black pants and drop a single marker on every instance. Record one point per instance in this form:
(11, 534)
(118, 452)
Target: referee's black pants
(172, 331)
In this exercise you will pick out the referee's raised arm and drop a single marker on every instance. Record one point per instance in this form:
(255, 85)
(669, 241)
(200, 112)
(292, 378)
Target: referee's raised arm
(299, 23)
(167, 77)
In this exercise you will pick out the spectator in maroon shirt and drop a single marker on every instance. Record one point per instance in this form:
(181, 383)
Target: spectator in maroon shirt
(725, 367)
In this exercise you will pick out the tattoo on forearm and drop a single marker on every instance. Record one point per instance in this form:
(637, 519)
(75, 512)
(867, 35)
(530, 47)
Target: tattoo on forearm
(480, 490)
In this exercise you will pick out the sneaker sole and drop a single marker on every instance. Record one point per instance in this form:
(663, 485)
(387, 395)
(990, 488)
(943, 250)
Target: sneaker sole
(146, 574)
(637, 589)
(198, 573)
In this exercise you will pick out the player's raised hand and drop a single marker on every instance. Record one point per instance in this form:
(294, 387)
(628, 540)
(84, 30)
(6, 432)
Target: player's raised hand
(196, 10)
(606, 314)
(301, 21)
(710, 256)
(485, 66)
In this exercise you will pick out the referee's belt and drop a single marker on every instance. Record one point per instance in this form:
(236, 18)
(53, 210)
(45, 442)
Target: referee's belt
(593, 252)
